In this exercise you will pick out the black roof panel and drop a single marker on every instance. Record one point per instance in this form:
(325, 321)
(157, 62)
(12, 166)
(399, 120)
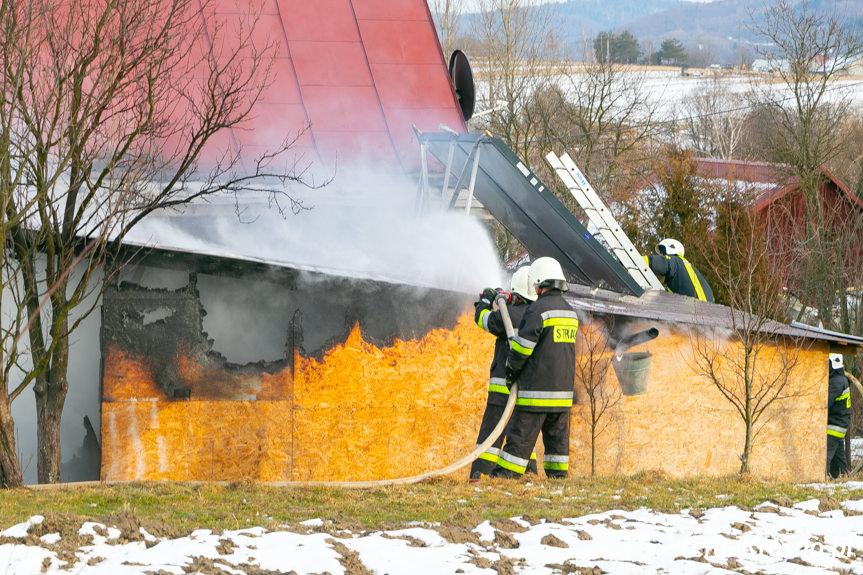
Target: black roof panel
(529, 210)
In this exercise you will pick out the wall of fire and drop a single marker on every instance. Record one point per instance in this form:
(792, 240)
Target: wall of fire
(367, 380)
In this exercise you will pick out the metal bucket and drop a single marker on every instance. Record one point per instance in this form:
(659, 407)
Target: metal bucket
(632, 369)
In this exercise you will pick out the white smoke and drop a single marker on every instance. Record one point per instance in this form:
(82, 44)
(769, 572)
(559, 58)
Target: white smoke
(359, 226)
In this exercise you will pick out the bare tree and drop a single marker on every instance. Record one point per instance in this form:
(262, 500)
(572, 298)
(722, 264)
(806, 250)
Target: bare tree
(448, 17)
(715, 119)
(803, 124)
(591, 373)
(812, 48)
(848, 165)
(520, 50)
(516, 42)
(609, 119)
(601, 115)
(106, 110)
(749, 365)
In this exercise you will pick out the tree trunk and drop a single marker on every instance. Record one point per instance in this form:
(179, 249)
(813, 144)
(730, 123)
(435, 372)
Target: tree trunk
(50, 397)
(10, 467)
(747, 450)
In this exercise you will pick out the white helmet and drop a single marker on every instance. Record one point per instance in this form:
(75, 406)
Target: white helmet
(546, 272)
(836, 360)
(520, 285)
(669, 247)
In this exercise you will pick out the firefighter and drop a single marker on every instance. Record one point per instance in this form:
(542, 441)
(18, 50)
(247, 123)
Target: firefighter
(679, 275)
(838, 416)
(542, 360)
(489, 319)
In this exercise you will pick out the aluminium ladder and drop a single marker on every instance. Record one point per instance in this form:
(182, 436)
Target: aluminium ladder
(600, 217)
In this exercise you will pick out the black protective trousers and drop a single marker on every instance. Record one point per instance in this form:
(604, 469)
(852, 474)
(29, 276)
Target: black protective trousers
(836, 462)
(521, 435)
(487, 462)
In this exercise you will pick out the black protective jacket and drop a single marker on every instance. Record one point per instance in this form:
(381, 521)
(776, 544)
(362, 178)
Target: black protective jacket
(839, 403)
(492, 322)
(542, 358)
(680, 276)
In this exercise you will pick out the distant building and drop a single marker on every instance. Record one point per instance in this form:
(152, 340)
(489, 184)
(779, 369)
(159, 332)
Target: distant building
(780, 202)
(770, 65)
(847, 66)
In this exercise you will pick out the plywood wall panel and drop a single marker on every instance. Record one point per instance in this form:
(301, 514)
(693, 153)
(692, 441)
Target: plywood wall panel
(196, 440)
(683, 425)
(365, 411)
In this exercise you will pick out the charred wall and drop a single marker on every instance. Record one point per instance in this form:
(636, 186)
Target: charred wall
(366, 369)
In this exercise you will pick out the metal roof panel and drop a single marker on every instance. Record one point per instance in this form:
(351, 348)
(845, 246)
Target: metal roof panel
(322, 20)
(391, 10)
(399, 42)
(656, 305)
(320, 63)
(319, 46)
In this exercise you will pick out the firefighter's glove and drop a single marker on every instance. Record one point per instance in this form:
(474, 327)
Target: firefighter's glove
(511, 376)
(509, 383)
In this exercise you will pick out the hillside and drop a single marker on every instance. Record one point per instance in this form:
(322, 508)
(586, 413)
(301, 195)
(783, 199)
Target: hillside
(720, 31)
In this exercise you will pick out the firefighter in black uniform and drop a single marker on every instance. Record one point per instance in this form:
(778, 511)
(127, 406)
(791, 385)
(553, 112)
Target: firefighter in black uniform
(838, 416)
(679, 274)
(490, 320)
(542, 360)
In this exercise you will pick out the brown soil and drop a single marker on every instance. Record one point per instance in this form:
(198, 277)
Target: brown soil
(504, 540)
(130, 527)
(553, 541)
(350, 560)
(453, 534)
(569, 568)
(412, 541)
(508, 525)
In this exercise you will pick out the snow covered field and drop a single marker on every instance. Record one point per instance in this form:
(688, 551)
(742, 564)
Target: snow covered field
(669, 89)
(808, 537)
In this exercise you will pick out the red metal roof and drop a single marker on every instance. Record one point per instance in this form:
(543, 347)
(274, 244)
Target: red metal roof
(361, 73)
(737, 170)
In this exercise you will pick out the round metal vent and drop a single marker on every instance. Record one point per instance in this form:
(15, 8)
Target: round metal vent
(462, 81)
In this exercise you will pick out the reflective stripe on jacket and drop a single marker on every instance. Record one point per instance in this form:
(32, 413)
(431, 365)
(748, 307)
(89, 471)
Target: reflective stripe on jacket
(680, 276)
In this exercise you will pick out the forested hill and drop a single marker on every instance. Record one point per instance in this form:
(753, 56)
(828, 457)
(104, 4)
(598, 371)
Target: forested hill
(722, 31)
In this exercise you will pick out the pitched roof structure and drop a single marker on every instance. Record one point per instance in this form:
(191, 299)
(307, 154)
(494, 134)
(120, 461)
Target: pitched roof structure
(773, 180)
(356, 75)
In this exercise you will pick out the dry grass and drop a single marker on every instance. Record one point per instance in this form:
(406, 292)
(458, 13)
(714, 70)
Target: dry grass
(172, 509)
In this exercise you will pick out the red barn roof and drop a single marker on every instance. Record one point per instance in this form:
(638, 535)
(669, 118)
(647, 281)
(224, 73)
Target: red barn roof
(360, 73)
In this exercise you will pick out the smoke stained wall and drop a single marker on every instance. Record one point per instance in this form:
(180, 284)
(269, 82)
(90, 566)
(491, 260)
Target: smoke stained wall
(356, 355)
(395, 396)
